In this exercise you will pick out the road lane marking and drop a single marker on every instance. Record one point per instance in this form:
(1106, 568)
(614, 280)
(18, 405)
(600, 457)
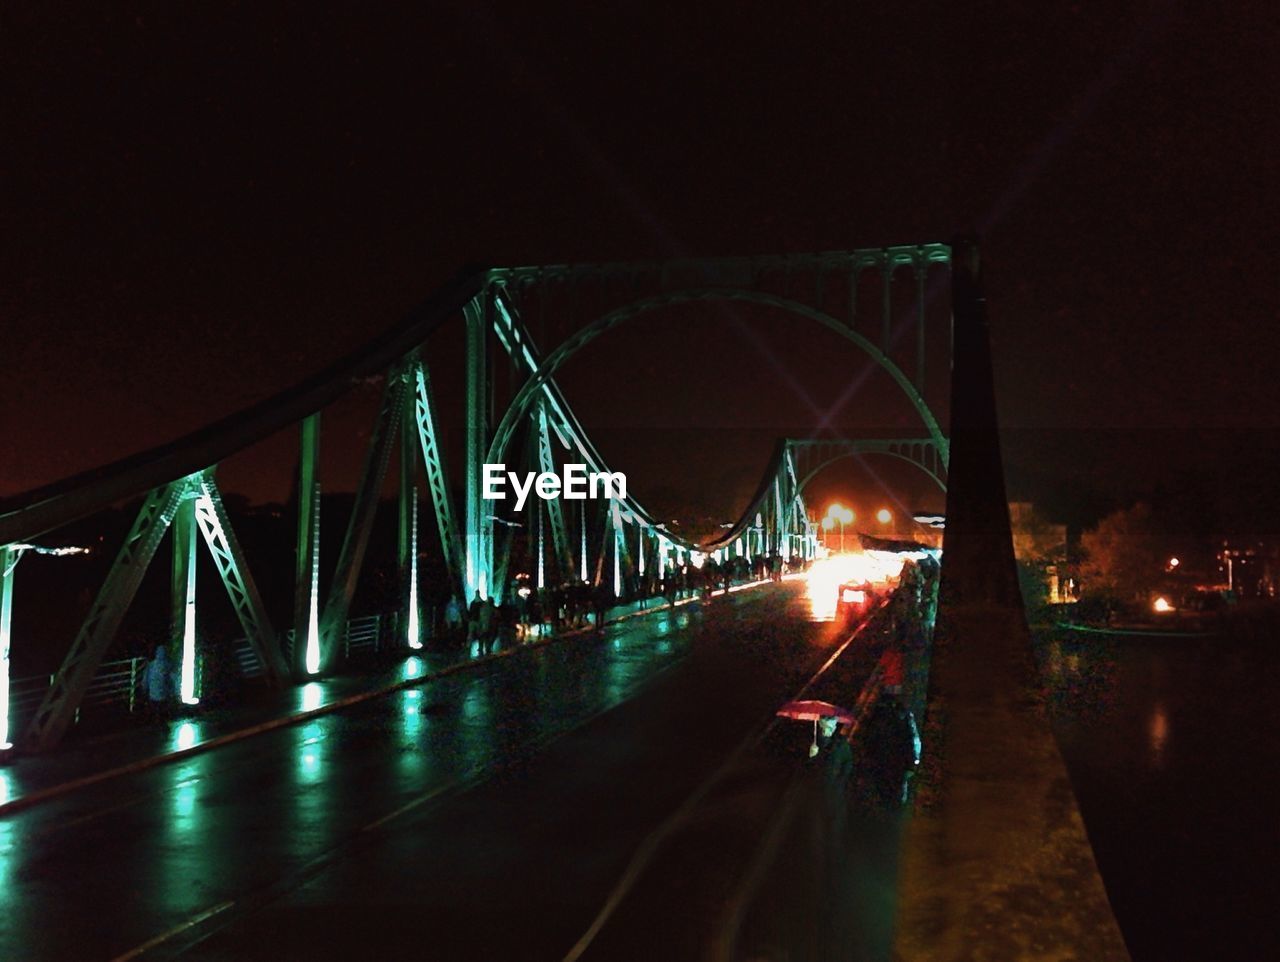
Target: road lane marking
(256, 900)
(644, 854)
(175, 931)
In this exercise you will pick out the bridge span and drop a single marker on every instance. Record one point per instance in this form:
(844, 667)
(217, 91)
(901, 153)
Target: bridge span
(555, 803)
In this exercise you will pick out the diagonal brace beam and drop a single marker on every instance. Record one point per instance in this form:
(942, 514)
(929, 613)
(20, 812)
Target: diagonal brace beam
(58, 708)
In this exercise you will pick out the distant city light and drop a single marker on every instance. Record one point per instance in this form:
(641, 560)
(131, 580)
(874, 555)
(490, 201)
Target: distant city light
(884, 516)
(1162, 604)
(1174, 562)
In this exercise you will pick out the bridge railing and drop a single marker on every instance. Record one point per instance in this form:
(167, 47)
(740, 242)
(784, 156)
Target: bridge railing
(118, 684)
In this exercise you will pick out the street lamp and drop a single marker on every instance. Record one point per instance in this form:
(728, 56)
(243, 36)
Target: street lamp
(838, 514)
(884, 516)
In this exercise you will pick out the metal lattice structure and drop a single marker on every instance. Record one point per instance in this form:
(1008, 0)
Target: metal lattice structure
(612, 540)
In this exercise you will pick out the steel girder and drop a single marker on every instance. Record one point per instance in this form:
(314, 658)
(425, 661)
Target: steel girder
(360, 526)
(437, 479)
(922, 452)
(233, 569)
(57, 710)
(43, 509)
(182, 622)
(541, 379)
(478, 317)
(306, 591)
(555, 510)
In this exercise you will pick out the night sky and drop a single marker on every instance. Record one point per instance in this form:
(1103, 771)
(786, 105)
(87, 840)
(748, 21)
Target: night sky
(203, 207)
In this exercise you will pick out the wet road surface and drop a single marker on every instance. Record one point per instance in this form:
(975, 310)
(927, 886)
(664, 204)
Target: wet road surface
(488, 814)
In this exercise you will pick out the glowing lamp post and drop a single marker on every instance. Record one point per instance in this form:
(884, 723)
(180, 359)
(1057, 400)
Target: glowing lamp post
(884, 516)
(838, 514)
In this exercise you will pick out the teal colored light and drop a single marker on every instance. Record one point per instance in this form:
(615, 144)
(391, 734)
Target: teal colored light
(412, 667)
(185, 531)
(541, 548)
(313, 614)
(4, 787)
(617, 558)
(8, 561)
(311, 756)
(188, 684)
(584, 544)
(185, 809)
(412, 710)
(185, 736)
(313, 624)
(312, 695)
(414, 639)
(640, 548)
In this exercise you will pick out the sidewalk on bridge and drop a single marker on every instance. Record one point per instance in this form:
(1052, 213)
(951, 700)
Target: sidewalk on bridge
(996, 861)
(29, 780)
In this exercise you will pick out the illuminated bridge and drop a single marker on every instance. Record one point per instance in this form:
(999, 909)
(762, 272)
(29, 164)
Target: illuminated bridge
(549, 800)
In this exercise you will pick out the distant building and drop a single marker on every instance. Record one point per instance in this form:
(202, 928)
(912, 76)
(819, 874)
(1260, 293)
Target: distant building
(1042, 546)
(1249, 568)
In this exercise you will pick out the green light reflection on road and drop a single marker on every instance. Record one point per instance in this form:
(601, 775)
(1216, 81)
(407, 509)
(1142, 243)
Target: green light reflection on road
(185, 735)
(312, 696)
(311, 756)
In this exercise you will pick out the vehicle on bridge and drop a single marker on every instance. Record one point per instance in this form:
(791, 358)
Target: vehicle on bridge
(854, 599)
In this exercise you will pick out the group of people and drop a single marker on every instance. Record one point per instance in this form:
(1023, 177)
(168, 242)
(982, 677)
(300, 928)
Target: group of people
(888, 738)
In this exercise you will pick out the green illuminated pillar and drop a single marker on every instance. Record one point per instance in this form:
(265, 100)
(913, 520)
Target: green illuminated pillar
(583, 517)
(414, 634)
(617, 552)
(479, 525)
(183, 622)
(306, 606)
(8, 561)
(408, 531)
(542, 546)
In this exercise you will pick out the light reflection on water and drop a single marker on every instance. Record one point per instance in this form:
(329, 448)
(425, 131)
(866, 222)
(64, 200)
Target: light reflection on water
(1159, 730)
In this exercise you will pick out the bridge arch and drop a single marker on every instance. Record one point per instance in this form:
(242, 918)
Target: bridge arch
(804, 483)
(521, 403)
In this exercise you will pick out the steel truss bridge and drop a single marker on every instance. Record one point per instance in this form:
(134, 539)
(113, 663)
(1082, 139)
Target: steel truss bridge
(611, 542)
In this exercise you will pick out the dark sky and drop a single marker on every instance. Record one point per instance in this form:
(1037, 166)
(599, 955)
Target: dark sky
(202, 207)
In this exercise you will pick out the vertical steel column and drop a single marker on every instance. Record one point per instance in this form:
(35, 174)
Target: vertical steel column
(542, 547)
(617, 552)
(182, 625)
(854, 274)
(563, 551)
(72, 680)
(921, 270)
(886, 319)
(407, 518)
(8, 561)
(582, 515)
(438, 479)
(479, 527)
(229, 559)
(306, 597)
(355, 542)
(413, 636)
(779, 531)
